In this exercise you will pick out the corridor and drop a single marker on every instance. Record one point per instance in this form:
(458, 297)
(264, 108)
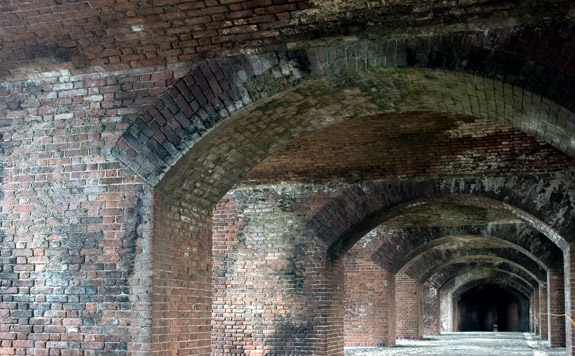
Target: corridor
(464, 344)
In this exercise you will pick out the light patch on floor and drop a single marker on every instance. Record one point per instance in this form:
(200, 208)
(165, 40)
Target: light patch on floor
(465, 344)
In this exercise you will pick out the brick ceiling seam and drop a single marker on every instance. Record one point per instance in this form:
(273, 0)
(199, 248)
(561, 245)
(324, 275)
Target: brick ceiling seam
(441, 145)
(477, 274)
(98, 36)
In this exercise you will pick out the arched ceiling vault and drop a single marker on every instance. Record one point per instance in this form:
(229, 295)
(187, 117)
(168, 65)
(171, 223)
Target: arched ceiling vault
(374, 204)
(469, 242)
(500, 283)
(427, 265)
(402, 242)
(484, 277)
(452, 272)
(415, 263)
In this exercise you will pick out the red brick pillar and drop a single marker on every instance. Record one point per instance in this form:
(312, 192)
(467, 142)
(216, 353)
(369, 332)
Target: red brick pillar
(181, 284)
(535, 313)
(556, 301)
(331, 321)
(543, 310)
(369, 302)
(273, 293)
(408, 307)
(431, 310)
(454, 315)
(445, 312)
(389, 331)
(569, 260)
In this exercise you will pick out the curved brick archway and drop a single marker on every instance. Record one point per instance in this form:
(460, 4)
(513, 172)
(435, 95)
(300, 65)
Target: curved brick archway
(448, 274)
(214, 90)
(411, 243)
(474, 276)
(371, 205)
(69, 203)
(217, 162)
(419, 270)
(495, 281)
(193, 150)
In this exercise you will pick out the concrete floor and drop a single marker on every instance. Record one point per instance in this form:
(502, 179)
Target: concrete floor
(465, 344)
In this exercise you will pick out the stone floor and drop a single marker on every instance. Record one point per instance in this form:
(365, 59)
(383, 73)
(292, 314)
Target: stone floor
(465, 344)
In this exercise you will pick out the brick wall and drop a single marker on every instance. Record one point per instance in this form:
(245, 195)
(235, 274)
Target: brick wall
(556, 301)
(369, 299)
(275, 290)
(569, 295)
(181, 284)
(122, 34)
(408, 307)
(431, 310)
(76, 241)
(76, 224)
(535, 313)
(543, 309)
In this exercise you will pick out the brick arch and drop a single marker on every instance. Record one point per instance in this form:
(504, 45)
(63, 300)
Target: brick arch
(471, 242)
(216, 89)
(482, 276)
(219, 121)
(448, 274)
(435, 260)
(409, 242)
(494, 281)
(476, 278)
(364, 208)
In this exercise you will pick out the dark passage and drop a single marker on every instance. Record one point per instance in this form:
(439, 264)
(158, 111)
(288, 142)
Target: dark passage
(490, 307)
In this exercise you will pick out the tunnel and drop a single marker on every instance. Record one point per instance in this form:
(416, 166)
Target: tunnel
(492, 308)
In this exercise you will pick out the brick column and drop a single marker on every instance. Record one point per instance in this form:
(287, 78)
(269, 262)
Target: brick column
(276, 291)
(556, 301)
(369, 301)
(536, 312)
(543, 309)
(408, 307)
(569, 260)
(454, 315)
(182, 275)
(445, 312)
(431, 310)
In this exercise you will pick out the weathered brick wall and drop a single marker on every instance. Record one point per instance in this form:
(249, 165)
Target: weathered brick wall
(275, 291)
(121, 34)
(181, 284)
(76, 240)
(408, 307)
(556, 301)
(369, 298)
(543, 310)
(431, 310)
(76, 223)
(569, 295)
